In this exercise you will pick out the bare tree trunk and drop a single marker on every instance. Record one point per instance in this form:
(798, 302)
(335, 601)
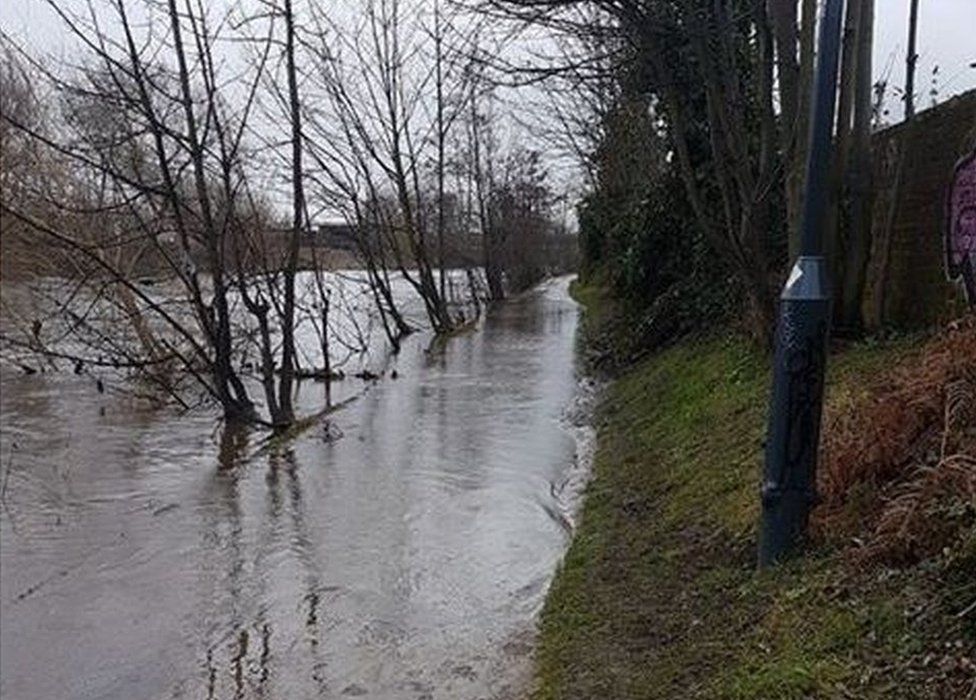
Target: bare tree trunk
(797, 173)
(835, 221)
(782, 14)
(441, 136)
(483, 193)
(286, 379)
(859, 172)
(326, 355)
(229, 388)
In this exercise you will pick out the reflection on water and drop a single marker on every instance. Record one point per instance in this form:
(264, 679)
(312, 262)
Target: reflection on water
(142, 556)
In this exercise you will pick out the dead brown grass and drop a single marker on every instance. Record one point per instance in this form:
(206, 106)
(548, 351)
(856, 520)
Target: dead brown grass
(906, 447)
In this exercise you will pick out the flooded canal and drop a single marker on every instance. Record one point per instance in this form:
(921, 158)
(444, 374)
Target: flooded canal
(404, 553)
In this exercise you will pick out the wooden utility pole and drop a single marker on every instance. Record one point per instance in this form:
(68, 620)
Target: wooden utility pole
(910, 59)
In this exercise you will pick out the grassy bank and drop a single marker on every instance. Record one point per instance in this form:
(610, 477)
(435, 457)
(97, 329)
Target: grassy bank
(658, 596)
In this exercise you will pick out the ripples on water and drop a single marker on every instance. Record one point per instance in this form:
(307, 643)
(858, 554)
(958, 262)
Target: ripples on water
(143, 556)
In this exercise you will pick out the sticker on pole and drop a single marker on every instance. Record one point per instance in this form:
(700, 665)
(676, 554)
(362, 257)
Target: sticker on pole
(961, 227)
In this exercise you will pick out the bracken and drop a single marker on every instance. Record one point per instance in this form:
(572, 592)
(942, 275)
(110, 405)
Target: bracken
(911, 441)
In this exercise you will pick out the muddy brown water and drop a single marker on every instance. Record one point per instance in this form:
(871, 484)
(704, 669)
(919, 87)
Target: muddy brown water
(145, 555)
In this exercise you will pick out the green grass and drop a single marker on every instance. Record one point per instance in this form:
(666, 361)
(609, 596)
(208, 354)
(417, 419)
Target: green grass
(658, 596)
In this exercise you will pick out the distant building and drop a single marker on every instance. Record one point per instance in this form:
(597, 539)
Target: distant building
(337, 236)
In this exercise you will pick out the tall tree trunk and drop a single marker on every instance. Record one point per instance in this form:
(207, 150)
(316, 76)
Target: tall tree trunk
(859, 180)
(286, 410)
(835, 220)
(797, 174)
(441, 136)
(229, 388)
(783, 16)
(483, 193)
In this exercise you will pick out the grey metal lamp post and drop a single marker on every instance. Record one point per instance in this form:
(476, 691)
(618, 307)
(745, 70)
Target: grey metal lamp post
(789, 480)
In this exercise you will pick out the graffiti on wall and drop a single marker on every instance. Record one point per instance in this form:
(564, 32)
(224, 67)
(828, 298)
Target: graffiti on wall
(961, 227)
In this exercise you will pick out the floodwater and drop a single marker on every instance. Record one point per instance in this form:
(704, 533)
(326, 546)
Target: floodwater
(402, 552)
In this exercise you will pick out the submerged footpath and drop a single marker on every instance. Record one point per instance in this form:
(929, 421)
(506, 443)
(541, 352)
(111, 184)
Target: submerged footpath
(659, 596)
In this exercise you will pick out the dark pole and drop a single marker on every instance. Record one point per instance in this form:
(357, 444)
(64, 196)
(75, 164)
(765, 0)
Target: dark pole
(789, 480)
(910, 58)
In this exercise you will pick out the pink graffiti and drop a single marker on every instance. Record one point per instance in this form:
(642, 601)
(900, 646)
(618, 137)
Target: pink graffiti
(961, 229)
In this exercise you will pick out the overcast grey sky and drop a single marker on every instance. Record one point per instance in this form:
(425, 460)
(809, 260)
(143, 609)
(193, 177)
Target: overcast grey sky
(946, 38)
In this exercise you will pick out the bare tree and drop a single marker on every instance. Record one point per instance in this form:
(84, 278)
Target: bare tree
(380, 146)
(164, 144)
(158, 133)
(710, 68)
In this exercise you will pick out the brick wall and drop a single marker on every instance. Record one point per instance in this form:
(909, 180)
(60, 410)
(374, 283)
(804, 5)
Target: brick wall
(907, 287)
